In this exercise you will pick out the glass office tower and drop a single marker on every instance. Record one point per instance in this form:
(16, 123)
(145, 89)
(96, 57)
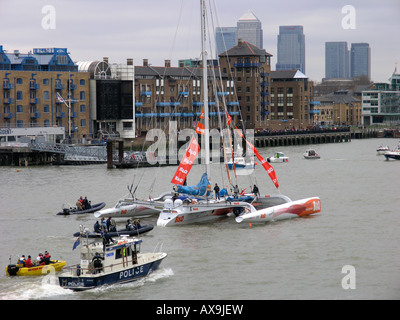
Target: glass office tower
(337, 60)
(291, 49)
(360, 60)
(249, 29)
(226, 38)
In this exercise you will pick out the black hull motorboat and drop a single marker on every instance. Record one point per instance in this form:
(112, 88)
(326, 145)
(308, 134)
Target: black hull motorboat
(131, 233)
(74, 210)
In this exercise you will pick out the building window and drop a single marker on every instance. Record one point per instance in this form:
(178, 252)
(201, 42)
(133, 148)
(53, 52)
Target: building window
(20, 124)
(19, 95)
(47, 123)
(83, 122)
(46, 108)
(82, 95)
(83, 108)
(46, 82)
(19, 81)
(46, 95)
(82, 82)
(20, 109)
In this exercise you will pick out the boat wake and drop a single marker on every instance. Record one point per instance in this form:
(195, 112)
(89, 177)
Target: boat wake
(49, 288)
(46, 287)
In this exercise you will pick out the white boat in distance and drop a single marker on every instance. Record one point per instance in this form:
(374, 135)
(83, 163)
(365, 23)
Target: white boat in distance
(382, 149)
(278, 157)
(311, 154)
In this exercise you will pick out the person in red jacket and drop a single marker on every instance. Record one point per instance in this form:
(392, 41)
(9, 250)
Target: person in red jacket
(28, 262)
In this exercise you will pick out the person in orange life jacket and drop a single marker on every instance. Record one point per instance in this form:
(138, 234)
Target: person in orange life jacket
(47, 258)
(28, 262)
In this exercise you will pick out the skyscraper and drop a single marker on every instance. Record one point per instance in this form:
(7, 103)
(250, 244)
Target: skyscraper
(291, 48)
(249, 29)
(337, 60)
(226, 38)
(360, 60)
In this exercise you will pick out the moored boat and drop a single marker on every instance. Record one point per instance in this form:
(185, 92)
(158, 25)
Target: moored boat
(116, 263)
(37, 270)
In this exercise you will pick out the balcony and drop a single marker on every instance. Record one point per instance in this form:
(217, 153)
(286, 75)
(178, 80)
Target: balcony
(163, 104)
(74, 114)
(71, 86)
(59, 86)
(247, 65)
(33, 86)
(34, 100)
(60, 114)
(35, 115)
(8, 100)
(7, 85)
(183, 93)
(146, 93)
(8, 115)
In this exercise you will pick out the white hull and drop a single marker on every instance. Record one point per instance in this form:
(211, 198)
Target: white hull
(127, 210)
(293, 209)
(196, 213)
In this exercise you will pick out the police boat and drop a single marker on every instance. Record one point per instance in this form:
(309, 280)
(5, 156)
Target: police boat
(120, 261)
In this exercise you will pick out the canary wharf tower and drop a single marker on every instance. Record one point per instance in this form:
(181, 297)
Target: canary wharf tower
(291, 48)
(249, 29)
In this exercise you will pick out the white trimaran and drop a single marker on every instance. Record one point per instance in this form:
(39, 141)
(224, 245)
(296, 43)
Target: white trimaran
(194, 203)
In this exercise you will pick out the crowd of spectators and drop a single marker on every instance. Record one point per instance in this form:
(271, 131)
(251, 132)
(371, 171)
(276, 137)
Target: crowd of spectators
(291, 131)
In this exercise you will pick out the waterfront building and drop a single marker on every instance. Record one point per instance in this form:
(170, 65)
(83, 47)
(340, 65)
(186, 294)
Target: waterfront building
(360, 60)
(291, 49)
(249, 29)
(225, 38)
(167, 93)
(111, 98)
(44, 89)
(291, 100)
(248, 68)
(338, 108)
(381, 105)
(336, 60)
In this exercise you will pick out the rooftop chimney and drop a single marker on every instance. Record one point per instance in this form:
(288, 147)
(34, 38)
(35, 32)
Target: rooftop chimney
(145, 62)
(168, 63)
(240, 43)
(129, 62)
(105, 59)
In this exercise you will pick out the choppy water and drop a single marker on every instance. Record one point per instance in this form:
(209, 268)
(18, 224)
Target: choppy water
(294, 259)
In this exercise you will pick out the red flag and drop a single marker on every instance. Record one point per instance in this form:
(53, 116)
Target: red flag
(200, 129)
(270, 170)
(228, 118)
(202, 114)
(186, 163)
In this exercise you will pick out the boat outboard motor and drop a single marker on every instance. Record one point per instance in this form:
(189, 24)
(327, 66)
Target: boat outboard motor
(12, 269)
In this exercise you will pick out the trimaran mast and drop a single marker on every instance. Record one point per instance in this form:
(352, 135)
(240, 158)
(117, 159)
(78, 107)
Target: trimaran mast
(205, 88)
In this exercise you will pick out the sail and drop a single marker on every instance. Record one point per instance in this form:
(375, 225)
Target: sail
(186, 163)
(198, 190)
(270, 170)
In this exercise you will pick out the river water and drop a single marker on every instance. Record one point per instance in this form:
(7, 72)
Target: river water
(351, 250)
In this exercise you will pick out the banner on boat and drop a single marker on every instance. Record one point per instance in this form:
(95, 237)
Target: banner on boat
(270, 170)
(186, 163)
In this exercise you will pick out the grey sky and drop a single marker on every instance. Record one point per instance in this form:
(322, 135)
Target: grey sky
(159, 29)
